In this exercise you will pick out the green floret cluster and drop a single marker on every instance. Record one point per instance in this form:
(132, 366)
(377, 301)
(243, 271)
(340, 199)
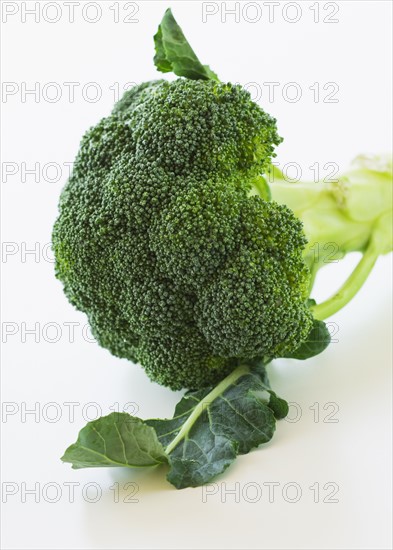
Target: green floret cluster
(162, 242)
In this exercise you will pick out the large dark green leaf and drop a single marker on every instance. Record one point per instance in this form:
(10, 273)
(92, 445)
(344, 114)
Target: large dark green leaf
(232, 420)
(209, 429)
(174, 53)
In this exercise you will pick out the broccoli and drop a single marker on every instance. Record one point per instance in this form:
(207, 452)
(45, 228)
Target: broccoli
(159, 241)
(185, 260)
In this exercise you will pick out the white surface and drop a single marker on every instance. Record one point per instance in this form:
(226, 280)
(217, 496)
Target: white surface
(354, 373)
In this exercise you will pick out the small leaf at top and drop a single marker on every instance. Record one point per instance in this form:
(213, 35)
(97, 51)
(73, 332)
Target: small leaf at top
(174, 53)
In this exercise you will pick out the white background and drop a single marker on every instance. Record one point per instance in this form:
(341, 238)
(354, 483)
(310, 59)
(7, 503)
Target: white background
(354, 373)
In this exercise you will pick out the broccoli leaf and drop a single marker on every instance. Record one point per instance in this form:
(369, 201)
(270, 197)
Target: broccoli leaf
(115, 440)
(210, 427)
(317, 341)
(174, 53)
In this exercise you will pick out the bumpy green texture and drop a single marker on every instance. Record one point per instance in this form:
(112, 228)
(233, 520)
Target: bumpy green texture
(161, 243)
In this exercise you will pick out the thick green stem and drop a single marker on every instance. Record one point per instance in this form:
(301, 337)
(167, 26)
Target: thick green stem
(207, 400)
(351, 286)
(330, 229)
(352, 214)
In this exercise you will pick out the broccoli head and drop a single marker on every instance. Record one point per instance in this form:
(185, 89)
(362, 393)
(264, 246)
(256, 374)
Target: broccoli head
(162, 242)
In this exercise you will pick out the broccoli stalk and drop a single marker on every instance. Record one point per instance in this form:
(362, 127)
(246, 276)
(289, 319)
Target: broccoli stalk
(353, 214)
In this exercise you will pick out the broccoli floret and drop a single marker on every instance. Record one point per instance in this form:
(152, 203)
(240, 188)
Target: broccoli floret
(161, 241)
(135, 95)
(168, 239)
(256, 305)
